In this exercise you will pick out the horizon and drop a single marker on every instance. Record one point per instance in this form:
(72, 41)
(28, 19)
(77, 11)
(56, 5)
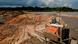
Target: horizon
(13, 6)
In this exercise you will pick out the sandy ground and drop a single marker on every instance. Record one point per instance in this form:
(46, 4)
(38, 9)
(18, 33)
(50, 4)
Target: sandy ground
(22, 29)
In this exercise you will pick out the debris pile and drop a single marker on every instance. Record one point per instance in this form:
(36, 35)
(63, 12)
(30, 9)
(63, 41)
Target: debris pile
(24, 29)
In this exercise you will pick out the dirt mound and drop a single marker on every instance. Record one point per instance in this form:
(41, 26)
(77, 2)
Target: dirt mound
(21, 29)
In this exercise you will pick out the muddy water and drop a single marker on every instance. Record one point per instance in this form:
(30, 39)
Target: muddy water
(72, 22)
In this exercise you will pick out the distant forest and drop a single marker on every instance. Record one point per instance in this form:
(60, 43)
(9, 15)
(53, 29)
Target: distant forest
(39, 9)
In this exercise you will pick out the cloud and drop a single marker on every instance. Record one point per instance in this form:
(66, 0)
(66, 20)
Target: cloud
(50, 3)
(42, 3)
(74, 4)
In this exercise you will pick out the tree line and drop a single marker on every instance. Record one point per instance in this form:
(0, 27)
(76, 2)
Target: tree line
(64, 9)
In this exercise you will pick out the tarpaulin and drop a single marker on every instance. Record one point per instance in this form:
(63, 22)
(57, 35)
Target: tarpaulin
(51, 29)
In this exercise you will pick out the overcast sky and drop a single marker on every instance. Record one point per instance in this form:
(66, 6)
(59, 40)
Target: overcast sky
(40, 3)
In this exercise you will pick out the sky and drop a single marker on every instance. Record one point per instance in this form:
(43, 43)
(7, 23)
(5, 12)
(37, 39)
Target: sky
(39, 3)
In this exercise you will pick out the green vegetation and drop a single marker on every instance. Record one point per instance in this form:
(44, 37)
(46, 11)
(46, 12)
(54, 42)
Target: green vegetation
(64, 9)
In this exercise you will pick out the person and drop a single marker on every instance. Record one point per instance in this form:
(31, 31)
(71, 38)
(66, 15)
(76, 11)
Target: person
(65, 35)
(53, 20)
